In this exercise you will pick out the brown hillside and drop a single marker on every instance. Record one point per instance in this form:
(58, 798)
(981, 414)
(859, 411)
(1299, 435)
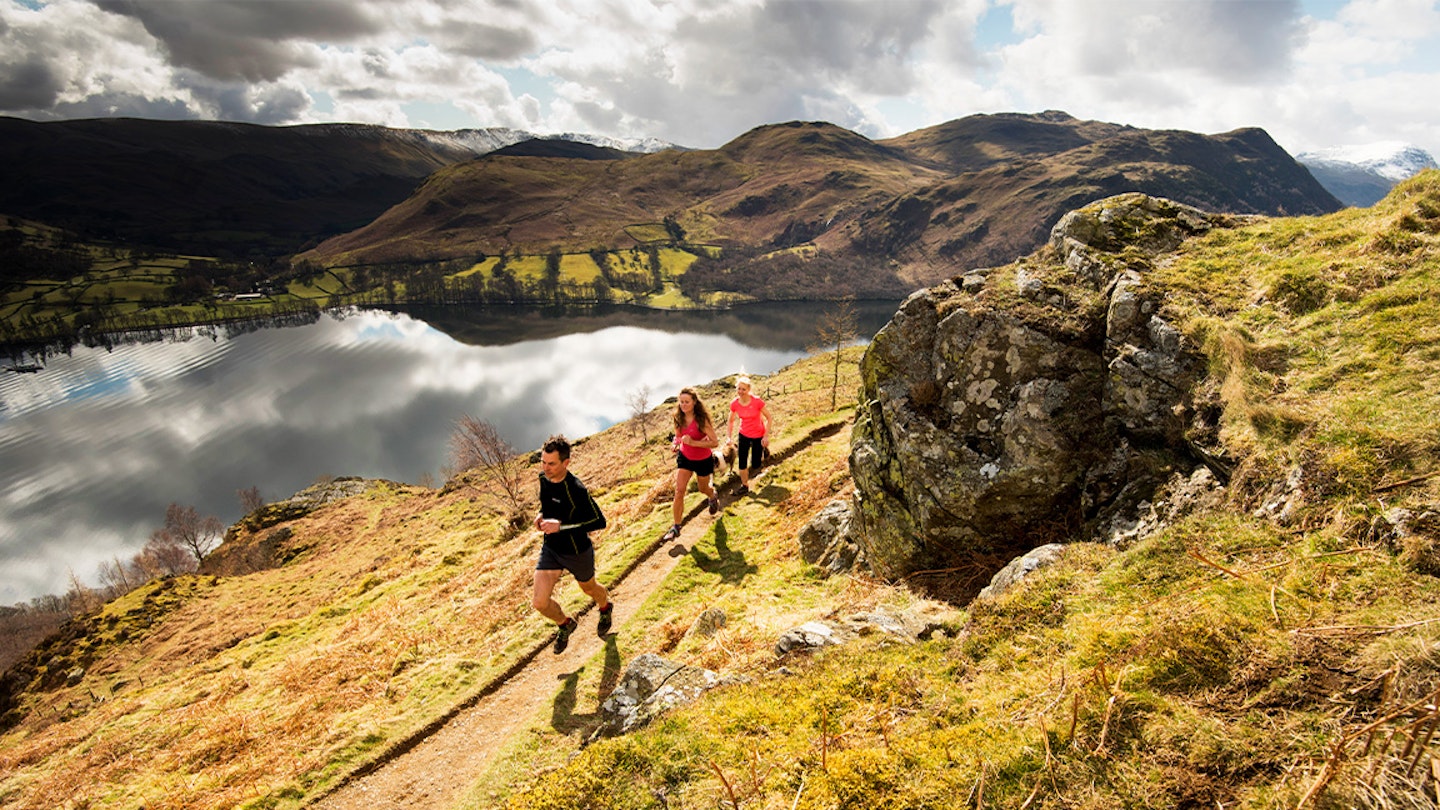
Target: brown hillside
(883, 217)
(747, 193)
(990, 216)
(980, 141)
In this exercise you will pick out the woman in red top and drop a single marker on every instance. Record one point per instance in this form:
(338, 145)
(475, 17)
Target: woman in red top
(695, 443)
(755, 426)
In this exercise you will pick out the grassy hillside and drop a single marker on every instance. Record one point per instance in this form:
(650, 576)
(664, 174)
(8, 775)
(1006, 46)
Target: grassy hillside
(746, 193)
(261, 688)
(1242, 657)
(1277, 650)
(59, 288)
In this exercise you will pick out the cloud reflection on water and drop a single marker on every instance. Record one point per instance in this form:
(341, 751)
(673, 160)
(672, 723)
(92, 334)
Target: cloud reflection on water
(93, 448)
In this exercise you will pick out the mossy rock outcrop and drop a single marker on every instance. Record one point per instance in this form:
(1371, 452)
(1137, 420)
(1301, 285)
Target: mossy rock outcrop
(1016, 406)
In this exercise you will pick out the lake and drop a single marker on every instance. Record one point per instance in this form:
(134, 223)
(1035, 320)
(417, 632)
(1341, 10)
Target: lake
(96, 444)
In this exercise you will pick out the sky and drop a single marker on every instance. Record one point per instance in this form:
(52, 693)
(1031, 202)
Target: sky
(698, 73)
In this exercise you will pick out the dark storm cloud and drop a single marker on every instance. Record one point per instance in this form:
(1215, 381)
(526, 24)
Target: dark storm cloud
(261, 104)
(1251, 41)
(29, 85)
(484, 41)
(257, 41)
(251, 40)
(262, 40)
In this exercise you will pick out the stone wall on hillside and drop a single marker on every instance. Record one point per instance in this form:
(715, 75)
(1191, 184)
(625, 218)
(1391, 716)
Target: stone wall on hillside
(1008, 408)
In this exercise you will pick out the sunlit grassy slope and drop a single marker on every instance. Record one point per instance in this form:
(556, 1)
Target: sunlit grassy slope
(1228, 660)
(1231, 659)
(395, 605)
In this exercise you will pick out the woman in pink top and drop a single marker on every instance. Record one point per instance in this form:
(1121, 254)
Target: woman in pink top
(755, 426)
(695, 442)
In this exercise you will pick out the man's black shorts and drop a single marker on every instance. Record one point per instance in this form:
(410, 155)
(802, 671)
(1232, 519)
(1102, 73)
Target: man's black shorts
(581, 565)
(705, 466)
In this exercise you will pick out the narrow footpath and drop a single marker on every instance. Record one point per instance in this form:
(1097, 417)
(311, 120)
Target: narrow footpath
(442, 762)
(432, 774)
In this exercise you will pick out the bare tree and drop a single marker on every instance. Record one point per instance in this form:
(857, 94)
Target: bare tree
(197, 535)
(250, 499)
(118, 578)
(838, 328)
(80, 598)
(639, 402)
(477, 445)
(164, 555)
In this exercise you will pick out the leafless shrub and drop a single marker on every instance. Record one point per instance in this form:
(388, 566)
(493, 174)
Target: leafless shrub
(81, 598)
(476, 445)
(118, 578)
(250, 499)
(164, 555)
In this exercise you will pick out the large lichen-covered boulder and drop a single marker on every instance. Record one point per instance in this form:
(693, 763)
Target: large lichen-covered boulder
(650, 686)
(1016, 406)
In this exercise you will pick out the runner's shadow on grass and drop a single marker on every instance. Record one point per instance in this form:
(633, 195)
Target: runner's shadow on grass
(563, 717)
(769, 494)
(728, 564)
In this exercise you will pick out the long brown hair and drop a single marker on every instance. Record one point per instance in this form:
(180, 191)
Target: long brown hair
(702, 416)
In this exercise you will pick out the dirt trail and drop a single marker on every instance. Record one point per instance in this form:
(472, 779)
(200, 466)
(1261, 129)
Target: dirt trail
(433, 773)
(440, 763)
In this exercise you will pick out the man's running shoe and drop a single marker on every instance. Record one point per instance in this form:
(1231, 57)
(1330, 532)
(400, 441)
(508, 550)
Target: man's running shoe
(607, 613)
(670, 534)
(714, 505)
(562, 635)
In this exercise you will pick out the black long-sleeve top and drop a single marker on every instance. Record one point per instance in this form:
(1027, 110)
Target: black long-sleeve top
(570, 503)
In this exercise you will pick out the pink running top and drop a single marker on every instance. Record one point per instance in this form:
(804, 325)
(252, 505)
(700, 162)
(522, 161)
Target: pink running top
(750, 422)
(690, 451)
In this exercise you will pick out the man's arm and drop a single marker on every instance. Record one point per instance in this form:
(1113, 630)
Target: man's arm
(585, 514)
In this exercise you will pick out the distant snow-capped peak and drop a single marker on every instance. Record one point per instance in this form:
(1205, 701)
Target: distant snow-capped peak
(1393, 160)
(646, 145)
(490, 139)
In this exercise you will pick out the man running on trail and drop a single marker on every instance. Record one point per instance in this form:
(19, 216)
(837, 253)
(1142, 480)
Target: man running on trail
(567, 516)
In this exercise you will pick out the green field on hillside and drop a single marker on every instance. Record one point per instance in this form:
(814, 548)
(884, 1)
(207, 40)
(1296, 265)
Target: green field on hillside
(119, 291)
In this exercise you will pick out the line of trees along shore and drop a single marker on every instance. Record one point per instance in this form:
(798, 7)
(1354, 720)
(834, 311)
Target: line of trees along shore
(190, 292)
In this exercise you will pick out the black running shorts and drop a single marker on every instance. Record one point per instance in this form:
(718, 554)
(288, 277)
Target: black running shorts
(703, 467)
(582, 565)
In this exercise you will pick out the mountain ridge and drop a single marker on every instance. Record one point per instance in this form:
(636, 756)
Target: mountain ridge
(905, 210)
(226, 189)
(242, 190)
